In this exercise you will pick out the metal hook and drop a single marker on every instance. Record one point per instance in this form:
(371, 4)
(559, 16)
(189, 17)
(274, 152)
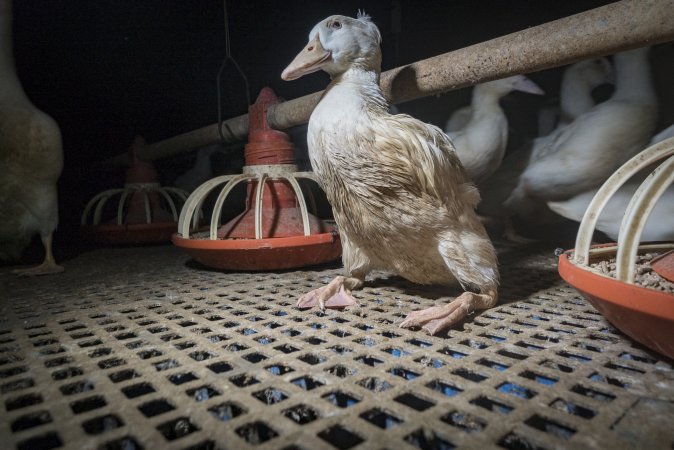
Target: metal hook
(228, 58)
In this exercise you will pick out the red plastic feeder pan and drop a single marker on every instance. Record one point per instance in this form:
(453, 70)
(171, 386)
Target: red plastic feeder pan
(276, 230)
(642, 313)
(145, 212)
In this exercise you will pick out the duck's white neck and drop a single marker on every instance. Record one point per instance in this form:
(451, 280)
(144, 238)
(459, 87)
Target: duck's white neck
(633, 76)
(575, 97)
(485, 99)
(10, 86)
(363, 83)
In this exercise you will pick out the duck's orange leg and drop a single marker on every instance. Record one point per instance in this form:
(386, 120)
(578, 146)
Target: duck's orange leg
(336, 294)
(437, 318)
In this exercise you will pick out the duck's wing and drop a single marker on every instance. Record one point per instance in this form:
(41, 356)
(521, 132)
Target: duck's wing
(563, 139)
(421, 159)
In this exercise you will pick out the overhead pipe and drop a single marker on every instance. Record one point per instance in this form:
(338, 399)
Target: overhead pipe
(609, 29)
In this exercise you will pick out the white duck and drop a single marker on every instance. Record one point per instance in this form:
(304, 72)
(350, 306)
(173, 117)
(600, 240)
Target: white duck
(400, 196)
(459, 119)
(578, 82)
(481, 142)
(583, 154)
(660, 224)
(31, 160)
(575, 94)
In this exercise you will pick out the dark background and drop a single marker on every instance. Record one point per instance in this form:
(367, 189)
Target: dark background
(108, 70)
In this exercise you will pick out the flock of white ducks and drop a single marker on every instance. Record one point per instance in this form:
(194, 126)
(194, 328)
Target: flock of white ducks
(581, 155)
(578, 82)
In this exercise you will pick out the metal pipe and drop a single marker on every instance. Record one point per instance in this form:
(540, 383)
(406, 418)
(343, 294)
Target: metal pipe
(602, 31)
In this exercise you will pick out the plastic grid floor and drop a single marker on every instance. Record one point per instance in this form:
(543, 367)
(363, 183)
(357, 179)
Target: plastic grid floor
(141, 348)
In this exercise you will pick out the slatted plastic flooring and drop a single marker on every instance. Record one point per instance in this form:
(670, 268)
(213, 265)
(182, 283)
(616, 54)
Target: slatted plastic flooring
(141, 348)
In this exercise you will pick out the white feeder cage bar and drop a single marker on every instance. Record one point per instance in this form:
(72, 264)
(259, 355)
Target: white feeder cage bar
(189, 216)
(638, 210)
(128, 191)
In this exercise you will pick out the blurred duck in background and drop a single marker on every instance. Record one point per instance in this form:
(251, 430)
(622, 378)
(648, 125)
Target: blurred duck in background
(480, 132)
(578, 82)
(581, 155)
(660, 224)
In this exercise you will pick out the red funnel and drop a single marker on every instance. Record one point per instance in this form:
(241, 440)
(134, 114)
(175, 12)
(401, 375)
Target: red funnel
(281, 215)
(282, 242)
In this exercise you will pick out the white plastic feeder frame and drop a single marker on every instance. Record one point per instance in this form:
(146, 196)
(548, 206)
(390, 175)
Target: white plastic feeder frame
(639, 208)
(260, 173)
(129, 189)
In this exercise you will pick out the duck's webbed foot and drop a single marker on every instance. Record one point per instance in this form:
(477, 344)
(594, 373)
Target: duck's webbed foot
(334, 295)
(46, 268)
(437, 318)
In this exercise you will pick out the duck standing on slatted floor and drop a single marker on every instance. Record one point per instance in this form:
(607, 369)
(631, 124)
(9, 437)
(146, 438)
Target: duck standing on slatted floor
(400, 196)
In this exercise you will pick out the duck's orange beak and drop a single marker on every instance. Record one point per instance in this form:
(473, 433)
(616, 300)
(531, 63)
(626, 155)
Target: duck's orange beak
(310, 59)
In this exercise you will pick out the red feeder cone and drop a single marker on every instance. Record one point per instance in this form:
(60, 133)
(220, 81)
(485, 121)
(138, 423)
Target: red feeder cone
(275, 231)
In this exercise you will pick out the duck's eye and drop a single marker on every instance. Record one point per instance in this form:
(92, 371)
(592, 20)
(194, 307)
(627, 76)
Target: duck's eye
(336, 25)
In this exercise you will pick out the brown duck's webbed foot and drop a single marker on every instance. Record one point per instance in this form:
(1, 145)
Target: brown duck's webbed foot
(334, 295)
(437, 318)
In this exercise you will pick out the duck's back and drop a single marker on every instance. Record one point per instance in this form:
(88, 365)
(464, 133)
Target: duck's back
(30, 146)
(596, 143)
(31, 158)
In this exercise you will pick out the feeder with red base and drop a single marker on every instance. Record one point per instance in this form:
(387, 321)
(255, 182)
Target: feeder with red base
(141, 213)
(276, 230)
(644, 313)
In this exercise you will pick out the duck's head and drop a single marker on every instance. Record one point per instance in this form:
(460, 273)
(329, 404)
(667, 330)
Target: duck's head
(337, 44)
(502, 87)
(593, 72)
